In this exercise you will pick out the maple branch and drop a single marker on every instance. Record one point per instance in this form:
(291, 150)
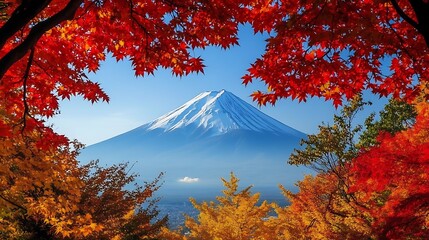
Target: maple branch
(67, 13)
(21, 17)
(329, 208)
(319, 13)
(12, 203)
(401, 41)
(403, 15)
(313, 221)
(174, 4)
(421, 9)
(24, 87)
(143, 28)
(43, 68)
(405, 222)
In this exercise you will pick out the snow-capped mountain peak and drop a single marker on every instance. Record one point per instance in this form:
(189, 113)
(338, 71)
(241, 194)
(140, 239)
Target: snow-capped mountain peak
(218, 112)
(206, 138)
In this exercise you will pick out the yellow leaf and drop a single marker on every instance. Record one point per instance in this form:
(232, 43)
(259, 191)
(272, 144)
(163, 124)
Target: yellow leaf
(129, 214)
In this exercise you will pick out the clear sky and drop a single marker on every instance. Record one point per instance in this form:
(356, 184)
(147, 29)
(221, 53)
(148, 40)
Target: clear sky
(135, 101)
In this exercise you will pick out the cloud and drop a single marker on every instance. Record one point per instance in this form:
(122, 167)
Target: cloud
(189, 180)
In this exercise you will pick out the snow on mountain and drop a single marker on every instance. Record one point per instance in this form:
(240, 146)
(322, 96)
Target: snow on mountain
(218, 112)
(203, 140)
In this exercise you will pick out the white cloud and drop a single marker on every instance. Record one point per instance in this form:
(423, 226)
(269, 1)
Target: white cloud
(189, 180)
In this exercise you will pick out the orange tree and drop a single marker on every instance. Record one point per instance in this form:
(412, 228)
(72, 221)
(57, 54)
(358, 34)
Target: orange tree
(122, 212)
(321, 210)
(37, 195)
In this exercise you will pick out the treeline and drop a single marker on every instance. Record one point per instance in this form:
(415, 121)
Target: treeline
(371, 183)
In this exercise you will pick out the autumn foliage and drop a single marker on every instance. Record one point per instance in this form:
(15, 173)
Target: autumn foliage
(323, 210)
(235, 215)
(37, 195)
(46, 49)
(336, 49)
(378, 191)
(382, 192)
(394, 178)
(45, 194)
(328, 49)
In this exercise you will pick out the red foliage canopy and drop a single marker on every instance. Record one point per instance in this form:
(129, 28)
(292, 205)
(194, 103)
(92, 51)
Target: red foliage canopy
(46, 46)
(395, 177)
(328, 49)
(336, 49)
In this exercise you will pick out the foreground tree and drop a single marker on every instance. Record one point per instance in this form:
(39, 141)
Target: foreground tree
(237, 215)
(393, 176)
(333, 146)
(37, 196)
(124, 212)
(325, 206)
(322, 210)
(45, 194)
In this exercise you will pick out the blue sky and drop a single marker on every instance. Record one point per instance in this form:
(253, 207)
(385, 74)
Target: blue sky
(135, 101)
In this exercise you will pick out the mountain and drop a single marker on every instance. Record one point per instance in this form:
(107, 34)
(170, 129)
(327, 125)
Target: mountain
(206, 138)
(217, 113)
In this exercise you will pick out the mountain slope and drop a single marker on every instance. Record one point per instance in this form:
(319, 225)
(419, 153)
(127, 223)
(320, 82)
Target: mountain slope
(217, 113)
(205, 139)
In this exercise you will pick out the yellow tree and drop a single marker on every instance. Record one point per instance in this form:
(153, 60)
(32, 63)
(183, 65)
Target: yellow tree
(39, 188)
(45, 194)
(235, 215)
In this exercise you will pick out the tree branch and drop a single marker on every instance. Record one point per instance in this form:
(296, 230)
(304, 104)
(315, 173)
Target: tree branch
(67, 13)
(12, 203)
(24, 87)
(21, 17)
(404, 15)
(421, 9)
